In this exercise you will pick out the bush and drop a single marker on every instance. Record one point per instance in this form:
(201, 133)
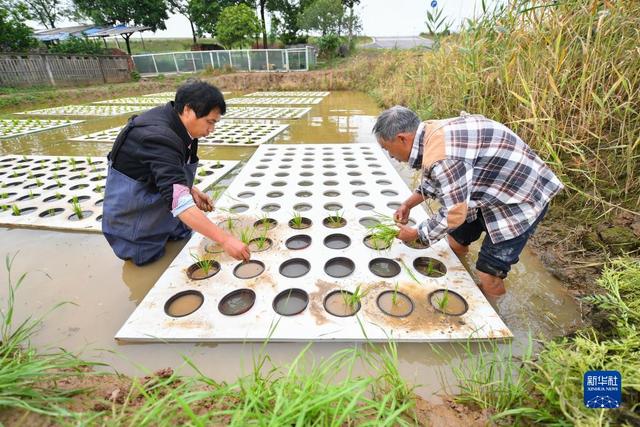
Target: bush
(78, 45)
(328, 45)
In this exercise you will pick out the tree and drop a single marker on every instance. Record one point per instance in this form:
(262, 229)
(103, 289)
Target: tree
(48, 12)
(183, 7)
(205, 13)
(238, 25)
(14, 34)
(324, 16)
(149, 13)
(285, 16)
(352, 22)
(262, 4)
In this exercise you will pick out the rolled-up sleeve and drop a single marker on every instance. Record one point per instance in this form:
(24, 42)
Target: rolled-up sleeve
(453, 177)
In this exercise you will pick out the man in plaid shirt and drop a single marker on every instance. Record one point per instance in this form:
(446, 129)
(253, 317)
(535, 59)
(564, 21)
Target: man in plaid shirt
(485, 178)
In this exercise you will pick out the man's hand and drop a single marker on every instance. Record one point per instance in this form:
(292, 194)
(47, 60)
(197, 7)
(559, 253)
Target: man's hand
(401, 215)
(407, 234)
(236, 249)
(202, 200)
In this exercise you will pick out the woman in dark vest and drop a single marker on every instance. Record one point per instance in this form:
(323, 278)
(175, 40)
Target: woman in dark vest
(149, 196)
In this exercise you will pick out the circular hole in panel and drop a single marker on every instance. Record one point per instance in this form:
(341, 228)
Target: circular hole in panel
(383, 182)
(416, 244)
(51, 212)
(252, 184)
(53, 198)
(364, 206)
(279, 184)
(83, 215)
(79, 187)
(299, 223)
(339, 267)
(369, 221)
(295, 267)
(430, 267)
(354, 173)
(341, 304)
(304, 194)
(330, 183)
(302, 207)
(246, 194)
(360, 193)
(99, 202)
(290, 302)
(337, 241)
(238, 208)
(79, 199)
(330, 173)
(328, 166)
(262, 167)
(356, 182)
(376, 243)
(389, 193)
(213, 247)
(297, 242)
(332, 207)
(284, 167)
(334, 221)
(265, 224)
(248, 269)
(384, 267)
(394, 304)
(305, 183)
(183, 303)
(448, 302)
(237, 302)
(260, 244)
(306, 174)
(393, 205)
(23, 198)
(203, 269)
(306, 166)
(257, 174)
(282, 175)
(275, 194)
(351, 165)
(287, 159)
(332, 193)
(229, 224)
(378, 173)
(270, 207)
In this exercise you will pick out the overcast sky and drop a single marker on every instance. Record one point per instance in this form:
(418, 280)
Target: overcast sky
(379, 17)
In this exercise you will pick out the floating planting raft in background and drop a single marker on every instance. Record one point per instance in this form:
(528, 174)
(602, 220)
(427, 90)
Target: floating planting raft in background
(265, 113)
(172, 94)
(227, 133)
(275, 100)
(288, 93)
(66, 192)
(15, 127)
(137, 100)
(87, 110)
(316, 272)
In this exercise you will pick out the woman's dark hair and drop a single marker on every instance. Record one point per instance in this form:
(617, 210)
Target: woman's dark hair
(201, 97)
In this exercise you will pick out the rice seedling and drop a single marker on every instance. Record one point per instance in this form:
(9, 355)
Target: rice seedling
(77, 209)
(261, 240)
(4, 208)
(15, 210)
(246, 234)
(73, 163)
(58, 196)
(336, 219)
(39, 183)
(59, 183)
(394, 296)
(204, 264)
(443, 301)
(353, 299)
(407, 270)
(4, 195)
(297, 220)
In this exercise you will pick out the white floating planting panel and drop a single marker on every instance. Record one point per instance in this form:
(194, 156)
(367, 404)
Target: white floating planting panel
(138, 100)
(171, 94)
(16, 127)
(265, 113)
(228, 133)
(314, 180)
(275, 100)
(87, 110)
(38, 191)
(289, 93)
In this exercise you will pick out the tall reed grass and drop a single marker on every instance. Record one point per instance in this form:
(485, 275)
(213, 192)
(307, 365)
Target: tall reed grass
(565, 75)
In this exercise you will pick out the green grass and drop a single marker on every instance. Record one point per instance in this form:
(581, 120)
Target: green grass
(547, 388)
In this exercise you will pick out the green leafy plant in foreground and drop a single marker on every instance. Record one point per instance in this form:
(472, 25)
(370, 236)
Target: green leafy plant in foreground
(352, 299)
(15, 210)
(297, 220)
(77, 209)
(336, 219)
(204, 264)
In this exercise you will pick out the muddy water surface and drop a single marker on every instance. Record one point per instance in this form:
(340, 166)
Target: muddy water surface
(81, 269)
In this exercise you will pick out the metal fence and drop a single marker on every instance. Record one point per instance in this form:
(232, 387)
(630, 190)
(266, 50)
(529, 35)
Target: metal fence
(265, 60)
(54, 69)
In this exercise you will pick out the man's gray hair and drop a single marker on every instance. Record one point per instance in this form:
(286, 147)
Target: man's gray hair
(395, 120)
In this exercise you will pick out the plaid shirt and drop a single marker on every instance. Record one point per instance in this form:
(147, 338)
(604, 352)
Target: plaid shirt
(481, 165)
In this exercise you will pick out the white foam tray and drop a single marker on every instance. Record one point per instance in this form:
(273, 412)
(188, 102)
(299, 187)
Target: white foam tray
(314, 170)
(227, 133)
(172, 94)
(87, 110)
(274, 100)
(278, 113)
(33, 182)
(10, 128)
(137, 100)
(288, 93)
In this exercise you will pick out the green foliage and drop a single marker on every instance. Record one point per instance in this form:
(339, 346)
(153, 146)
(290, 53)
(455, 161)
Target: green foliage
(206, 14)
(285, 19)
(135, 75)
(15, 35)
(79, 45)
(49, 12)
(328, 45)
(238, 26)
(150, 13)
(324, 16)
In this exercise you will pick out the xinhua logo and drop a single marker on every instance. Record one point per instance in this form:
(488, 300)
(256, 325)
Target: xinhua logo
(602, 389)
